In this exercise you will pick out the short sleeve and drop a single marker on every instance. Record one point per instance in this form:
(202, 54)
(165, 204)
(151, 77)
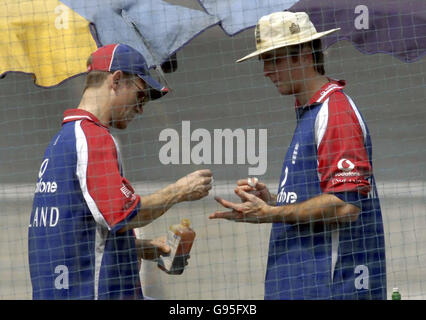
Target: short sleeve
(343, 164)
(109, 196)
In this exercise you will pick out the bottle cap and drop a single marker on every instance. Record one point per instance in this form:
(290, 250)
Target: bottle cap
(395, 289)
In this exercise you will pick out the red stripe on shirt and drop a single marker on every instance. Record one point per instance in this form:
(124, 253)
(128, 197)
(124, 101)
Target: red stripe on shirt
(112, 193)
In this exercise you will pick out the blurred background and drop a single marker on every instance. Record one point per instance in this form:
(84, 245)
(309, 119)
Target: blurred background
(210, 90)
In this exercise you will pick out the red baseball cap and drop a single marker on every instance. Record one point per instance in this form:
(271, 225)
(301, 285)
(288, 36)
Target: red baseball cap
(122, 57)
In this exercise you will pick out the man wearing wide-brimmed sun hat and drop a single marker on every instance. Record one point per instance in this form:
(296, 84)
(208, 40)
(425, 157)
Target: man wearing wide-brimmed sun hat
(327, 237)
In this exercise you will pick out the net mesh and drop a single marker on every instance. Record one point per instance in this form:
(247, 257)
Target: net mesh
(211, 92)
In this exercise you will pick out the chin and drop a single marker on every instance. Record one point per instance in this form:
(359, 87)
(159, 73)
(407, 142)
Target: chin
(285, 91)
(119, 125)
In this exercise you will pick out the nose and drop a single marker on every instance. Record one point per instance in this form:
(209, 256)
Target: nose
(268, 68)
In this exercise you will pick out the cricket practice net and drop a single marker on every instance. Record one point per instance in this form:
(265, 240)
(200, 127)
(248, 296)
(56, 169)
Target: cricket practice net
(214, 100)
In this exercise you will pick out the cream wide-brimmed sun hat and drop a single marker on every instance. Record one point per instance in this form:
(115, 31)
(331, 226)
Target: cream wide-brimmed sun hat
(282, 29)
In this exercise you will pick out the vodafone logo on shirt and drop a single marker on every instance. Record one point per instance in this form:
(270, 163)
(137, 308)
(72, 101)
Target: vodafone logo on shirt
(43, 167)
(347, 174)
(345, 165)
(45, 186)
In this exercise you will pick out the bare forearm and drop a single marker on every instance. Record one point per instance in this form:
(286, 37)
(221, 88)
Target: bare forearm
(326, 207)
(154, 206)
(191, 187)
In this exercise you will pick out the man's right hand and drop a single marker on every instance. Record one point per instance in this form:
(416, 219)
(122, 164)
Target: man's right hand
(195, 185)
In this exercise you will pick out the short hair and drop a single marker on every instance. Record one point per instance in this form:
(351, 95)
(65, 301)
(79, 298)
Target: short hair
(96, 78)
(317, 53)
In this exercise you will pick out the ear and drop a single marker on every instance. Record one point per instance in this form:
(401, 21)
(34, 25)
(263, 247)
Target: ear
(116, 79)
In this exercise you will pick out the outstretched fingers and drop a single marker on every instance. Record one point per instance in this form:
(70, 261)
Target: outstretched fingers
(244, 195)
(228, 204)
(229, 215)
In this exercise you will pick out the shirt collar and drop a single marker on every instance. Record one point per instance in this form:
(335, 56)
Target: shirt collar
(322, 94)
(80, 114)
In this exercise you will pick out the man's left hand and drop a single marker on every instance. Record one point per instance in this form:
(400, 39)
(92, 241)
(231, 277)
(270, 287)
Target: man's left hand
(252, 209)
(152, 249)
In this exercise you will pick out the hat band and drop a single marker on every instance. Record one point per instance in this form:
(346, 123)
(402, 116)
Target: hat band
(288, 40)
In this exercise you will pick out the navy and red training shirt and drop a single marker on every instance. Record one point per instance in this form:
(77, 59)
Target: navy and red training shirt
(330, 153)
(81, 201)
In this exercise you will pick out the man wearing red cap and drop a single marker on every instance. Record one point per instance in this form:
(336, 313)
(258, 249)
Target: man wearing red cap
(81, 239)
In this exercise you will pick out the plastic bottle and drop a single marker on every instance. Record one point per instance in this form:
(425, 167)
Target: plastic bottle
(180, 239)
(187, 235)
(395, 294)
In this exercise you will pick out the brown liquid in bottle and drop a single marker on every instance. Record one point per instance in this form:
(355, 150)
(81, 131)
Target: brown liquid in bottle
(187, 236)
(181, 244)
